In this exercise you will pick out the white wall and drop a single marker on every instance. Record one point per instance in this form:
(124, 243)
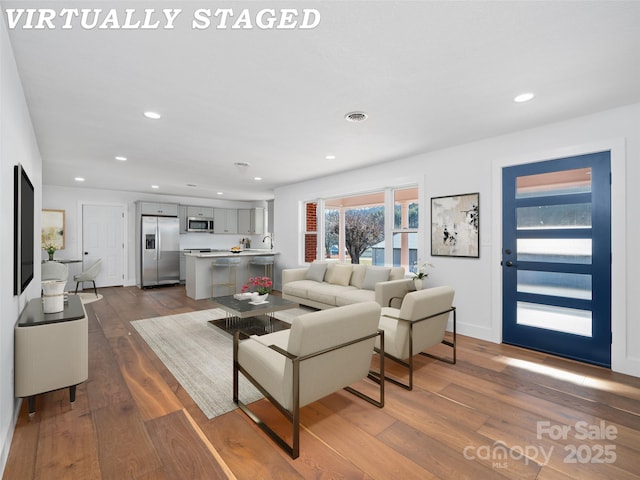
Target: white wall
(475, 167)
(72, 199)
(17, 145)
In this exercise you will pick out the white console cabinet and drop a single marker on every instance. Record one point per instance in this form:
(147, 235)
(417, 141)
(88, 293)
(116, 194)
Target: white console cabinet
(51, 350)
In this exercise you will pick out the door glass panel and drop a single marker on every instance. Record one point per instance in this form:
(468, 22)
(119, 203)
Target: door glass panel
(554, 216)
(554, 183)
(557, 284)
(559, 319)
(555, 250)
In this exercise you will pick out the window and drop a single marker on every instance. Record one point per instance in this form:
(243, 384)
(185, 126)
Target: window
(377, 228)
(405, 228)
(353, 227)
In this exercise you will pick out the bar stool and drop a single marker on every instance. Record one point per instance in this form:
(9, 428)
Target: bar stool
(264, 261)
(231, 265)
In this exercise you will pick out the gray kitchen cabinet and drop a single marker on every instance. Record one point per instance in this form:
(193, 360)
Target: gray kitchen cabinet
(251, 221)
(199, 212)
(166, 209)
(225, 220)
(182, 217)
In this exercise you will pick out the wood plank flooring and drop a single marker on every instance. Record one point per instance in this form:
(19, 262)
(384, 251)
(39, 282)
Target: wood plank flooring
(500, 412)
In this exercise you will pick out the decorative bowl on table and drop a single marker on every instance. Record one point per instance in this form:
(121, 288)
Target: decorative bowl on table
(257, 298)
(235, 250)
(243, 296)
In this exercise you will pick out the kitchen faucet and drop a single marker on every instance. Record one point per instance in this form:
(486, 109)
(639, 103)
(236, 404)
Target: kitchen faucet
(270, 240)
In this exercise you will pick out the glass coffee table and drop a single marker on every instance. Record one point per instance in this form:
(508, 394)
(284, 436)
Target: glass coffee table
(250, 318)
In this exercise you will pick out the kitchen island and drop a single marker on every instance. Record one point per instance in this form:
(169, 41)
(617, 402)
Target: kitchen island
(199, 272)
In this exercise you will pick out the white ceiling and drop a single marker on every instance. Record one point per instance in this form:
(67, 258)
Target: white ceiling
(430, 74)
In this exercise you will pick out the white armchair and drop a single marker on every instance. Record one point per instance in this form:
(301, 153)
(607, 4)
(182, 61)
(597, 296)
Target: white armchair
(420, 323)
(323, 352)
(89, 275)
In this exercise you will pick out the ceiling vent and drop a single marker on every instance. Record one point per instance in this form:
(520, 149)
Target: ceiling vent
(356, 117)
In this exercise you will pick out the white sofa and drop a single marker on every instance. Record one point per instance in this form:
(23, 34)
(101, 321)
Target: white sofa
(331, 284)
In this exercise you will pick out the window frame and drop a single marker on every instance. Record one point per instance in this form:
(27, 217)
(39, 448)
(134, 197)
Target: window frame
(389, 222)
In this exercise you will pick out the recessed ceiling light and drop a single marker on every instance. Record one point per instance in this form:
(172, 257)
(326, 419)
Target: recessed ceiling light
(122, 159)
(155, 186)
(152, 115)
(330, 157)
(220, 193)
(356, 117)
(524, 97)
(257, 178)
(79, 179)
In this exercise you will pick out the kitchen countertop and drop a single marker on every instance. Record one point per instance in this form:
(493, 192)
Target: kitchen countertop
(228, 253)
(199, 275)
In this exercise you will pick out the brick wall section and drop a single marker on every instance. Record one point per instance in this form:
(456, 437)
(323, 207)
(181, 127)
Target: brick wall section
(310, 247)
(310, 240)
(312, 221)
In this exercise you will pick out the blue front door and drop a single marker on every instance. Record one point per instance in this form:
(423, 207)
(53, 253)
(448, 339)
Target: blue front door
(556, 257)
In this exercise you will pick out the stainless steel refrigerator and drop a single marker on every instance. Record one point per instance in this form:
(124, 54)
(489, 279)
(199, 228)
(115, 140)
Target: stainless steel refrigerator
(160, 256)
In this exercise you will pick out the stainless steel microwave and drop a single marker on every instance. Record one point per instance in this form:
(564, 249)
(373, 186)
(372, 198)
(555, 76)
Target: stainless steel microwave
(199, 224)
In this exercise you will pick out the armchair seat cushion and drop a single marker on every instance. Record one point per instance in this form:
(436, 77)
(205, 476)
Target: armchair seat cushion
(267, 367)
(395, 334)
(279, 339)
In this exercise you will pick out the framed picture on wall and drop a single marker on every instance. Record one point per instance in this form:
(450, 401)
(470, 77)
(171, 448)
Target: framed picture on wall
(455, 225)
(53, 228)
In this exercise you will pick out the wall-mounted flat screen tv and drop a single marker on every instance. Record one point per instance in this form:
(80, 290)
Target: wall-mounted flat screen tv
(23, 230)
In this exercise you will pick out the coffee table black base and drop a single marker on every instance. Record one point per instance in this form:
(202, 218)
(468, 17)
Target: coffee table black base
(259, 325)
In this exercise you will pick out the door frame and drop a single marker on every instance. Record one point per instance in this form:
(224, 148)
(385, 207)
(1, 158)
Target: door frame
(125, 233)
(620, 360)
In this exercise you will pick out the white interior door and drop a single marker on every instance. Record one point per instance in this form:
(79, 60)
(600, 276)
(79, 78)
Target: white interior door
(103, 237)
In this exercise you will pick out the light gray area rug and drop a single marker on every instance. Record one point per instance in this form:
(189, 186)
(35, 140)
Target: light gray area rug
(200, 356)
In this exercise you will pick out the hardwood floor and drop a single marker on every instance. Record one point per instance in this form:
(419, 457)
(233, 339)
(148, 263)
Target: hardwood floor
(500, 412)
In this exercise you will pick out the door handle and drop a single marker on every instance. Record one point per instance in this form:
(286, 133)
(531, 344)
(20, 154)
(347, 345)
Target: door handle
(509, 263)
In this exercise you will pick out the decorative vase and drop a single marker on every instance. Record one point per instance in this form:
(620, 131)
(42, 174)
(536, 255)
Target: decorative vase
(257, 298)
(419, 283)
(53, 296)
(51, 256)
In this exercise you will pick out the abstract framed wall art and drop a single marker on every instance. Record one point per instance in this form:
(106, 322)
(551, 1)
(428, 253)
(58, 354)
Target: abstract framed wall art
(455, 225)
(53, 228)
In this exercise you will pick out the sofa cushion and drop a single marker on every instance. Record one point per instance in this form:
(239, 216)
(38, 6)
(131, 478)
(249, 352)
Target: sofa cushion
(397, 273)
(326, 293)
(375, 275)
(357, 275)
(299, 288)
(316, 271)
(348, 297)
(340, 274)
